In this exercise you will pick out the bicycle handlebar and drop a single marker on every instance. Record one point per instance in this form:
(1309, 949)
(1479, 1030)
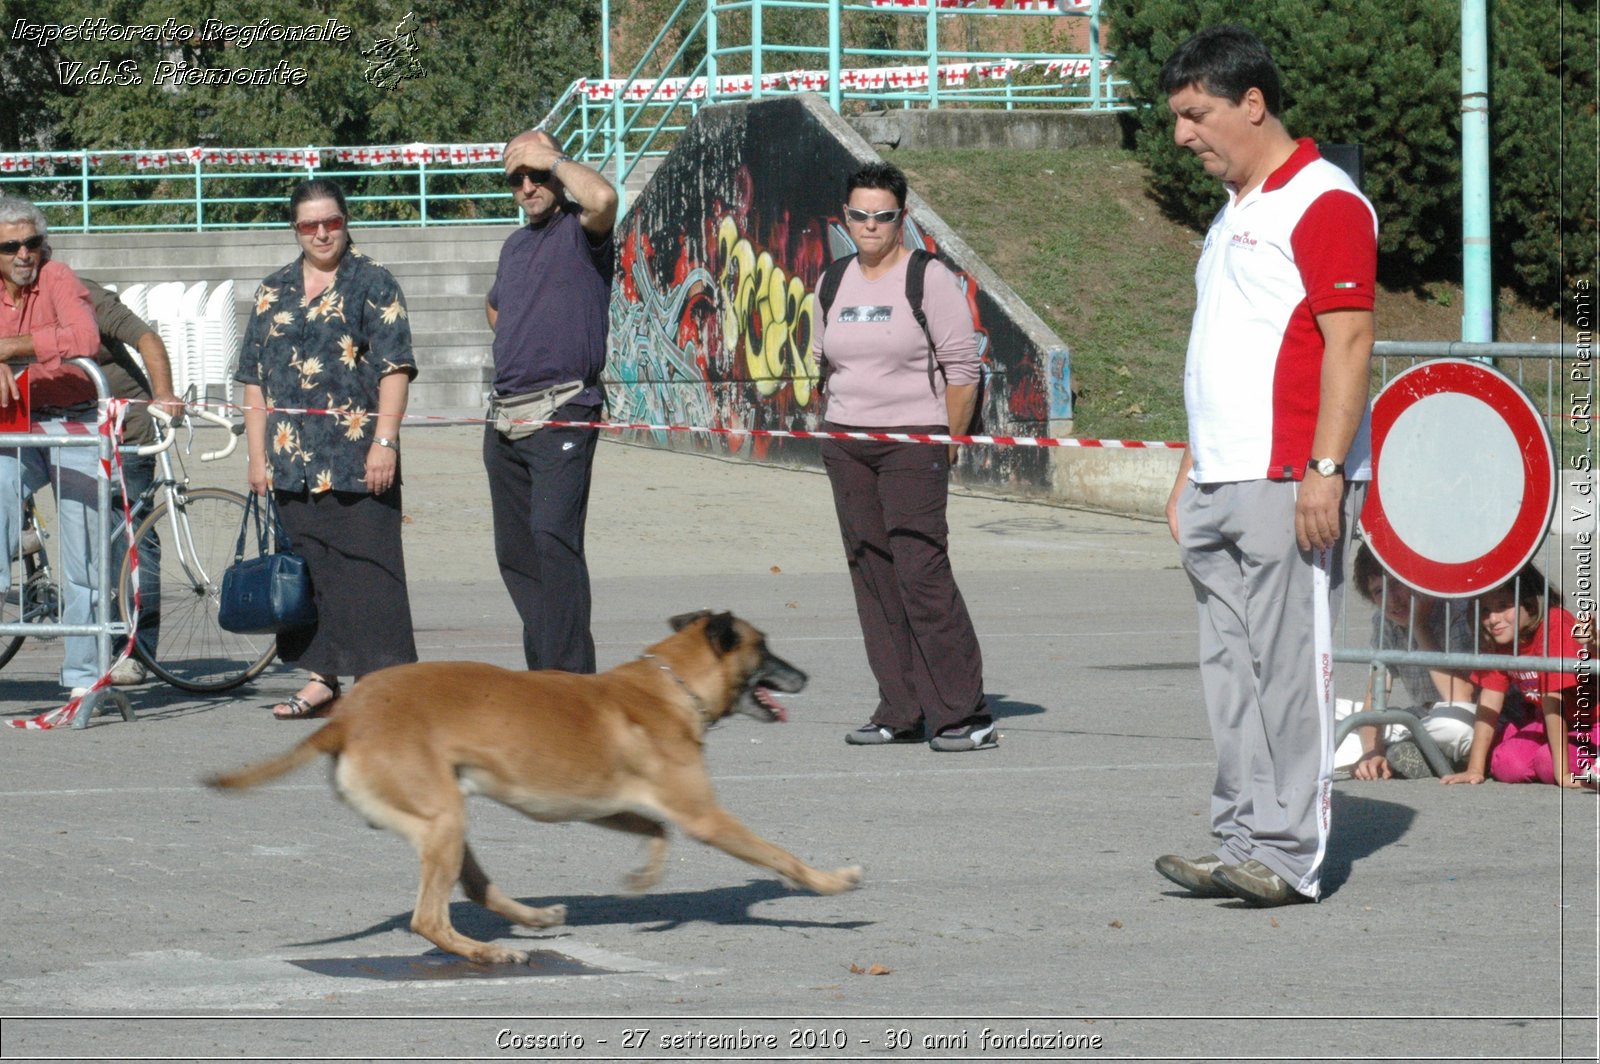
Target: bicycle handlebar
(168, 437)
(164, 438)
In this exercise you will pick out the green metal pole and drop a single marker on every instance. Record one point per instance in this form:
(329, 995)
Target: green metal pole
(83, 170)
(933, 57)
(835, 56)
(619, 165)
(199, 200)
(1477, 281)
(1096, 98)
(756, 45)
(711, 51)
(422, 191)
(605, 40)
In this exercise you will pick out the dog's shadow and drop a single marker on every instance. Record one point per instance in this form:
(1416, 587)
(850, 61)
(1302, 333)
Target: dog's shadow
(1362, 826)
(662, 912)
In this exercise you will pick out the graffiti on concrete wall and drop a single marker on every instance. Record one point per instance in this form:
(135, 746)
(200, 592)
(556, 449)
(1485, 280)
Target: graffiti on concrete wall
(712, 312)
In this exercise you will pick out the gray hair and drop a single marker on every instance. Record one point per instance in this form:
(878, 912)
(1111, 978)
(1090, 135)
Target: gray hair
(14, 210)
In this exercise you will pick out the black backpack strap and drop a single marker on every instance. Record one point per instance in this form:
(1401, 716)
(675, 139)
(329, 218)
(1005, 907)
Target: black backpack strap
(916, 272)
(828, 286)
(827, 289)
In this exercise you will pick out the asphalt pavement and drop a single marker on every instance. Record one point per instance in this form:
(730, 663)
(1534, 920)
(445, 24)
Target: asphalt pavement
(1009, 908)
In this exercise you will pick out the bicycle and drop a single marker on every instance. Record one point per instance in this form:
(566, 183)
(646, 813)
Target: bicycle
(33, 594)
(186, 539)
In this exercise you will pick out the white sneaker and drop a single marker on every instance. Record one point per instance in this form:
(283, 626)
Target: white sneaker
(129, 672)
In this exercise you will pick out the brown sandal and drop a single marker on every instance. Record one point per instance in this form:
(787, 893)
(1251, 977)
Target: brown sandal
(298, 707)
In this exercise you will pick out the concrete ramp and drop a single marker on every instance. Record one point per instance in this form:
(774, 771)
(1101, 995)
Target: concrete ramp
(712, 308)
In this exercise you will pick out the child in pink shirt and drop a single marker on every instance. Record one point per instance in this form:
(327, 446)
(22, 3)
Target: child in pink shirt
(1559, 728)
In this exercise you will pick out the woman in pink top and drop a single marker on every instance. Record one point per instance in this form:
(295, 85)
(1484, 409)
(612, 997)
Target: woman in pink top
(890, 497)
(1558, 728)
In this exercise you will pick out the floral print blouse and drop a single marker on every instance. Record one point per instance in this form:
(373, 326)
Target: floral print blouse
(325, 355)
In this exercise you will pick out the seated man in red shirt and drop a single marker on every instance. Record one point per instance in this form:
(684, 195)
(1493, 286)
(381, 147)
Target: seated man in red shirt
(45, 315)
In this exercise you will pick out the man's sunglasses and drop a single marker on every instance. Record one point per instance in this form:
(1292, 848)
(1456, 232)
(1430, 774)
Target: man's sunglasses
(888, 217)
(516, 177)
(11, 247)
(332, 225)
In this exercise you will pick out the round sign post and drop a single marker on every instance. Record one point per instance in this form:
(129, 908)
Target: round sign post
(1463, 478)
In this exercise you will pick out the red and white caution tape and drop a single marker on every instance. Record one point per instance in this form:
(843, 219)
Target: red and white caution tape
(882, 437)
(775, 434)
(112, 423)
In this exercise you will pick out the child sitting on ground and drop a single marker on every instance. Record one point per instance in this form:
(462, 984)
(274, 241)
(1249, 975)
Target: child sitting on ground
(1558, 728)
(1441, 699)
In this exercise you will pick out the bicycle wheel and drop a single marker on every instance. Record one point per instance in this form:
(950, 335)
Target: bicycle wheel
(31, 597)
(188, 547)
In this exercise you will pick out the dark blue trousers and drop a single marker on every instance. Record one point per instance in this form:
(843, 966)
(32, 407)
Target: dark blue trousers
(539, 489)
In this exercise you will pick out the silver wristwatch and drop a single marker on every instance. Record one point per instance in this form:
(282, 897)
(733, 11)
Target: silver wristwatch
(384, 441)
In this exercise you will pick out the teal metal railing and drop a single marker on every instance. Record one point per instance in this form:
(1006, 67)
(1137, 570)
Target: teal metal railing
(823, 46)
(214, 188)
(614, 122)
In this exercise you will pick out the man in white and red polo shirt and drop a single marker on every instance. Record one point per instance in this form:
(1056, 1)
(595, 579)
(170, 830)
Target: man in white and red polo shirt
(1273, 479)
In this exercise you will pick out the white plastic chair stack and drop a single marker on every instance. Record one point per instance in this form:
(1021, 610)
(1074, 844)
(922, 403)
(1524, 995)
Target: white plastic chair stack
(190, 309)
(163, 305)
(216, 340)
(133, 297)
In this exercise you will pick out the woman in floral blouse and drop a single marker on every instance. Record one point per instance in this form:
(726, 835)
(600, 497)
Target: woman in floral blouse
(329, 335)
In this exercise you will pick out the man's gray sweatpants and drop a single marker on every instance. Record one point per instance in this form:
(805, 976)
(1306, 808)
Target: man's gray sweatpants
(1266, 665)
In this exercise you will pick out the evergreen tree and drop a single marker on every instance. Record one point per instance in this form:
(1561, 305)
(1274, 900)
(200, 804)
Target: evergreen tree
(1386, 74)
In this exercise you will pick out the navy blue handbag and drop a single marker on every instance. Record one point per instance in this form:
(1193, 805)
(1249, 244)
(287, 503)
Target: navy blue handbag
(272, 591)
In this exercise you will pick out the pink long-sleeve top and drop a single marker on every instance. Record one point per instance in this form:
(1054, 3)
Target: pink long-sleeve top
(55, 311)
(878, 357)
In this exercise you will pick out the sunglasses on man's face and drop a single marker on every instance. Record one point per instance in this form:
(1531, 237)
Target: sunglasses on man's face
(889, 217)
(332, 225)
(516, 177)
(11, 247)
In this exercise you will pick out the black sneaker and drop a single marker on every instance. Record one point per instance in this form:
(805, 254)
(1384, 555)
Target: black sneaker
(870, 734)
(974, 735)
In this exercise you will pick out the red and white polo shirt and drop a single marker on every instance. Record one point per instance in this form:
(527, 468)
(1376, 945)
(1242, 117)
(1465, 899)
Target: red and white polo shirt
(1303, 243)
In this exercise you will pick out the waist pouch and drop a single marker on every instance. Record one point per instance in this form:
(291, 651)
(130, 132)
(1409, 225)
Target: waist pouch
(511, 413)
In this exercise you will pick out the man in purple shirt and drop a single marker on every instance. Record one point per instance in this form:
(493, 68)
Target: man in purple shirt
(549, 309)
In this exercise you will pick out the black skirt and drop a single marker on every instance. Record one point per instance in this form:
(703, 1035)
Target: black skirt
(351, 544)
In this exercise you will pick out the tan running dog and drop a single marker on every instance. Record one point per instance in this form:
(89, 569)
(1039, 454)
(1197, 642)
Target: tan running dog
(621, 749)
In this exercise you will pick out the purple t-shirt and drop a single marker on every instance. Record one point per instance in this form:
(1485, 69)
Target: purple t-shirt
(878, 357)
(552, 295)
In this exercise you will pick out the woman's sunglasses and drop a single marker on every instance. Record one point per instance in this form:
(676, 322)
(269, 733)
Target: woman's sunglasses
(516, 177)
(11, 247)
(889, 217)
(332, 225)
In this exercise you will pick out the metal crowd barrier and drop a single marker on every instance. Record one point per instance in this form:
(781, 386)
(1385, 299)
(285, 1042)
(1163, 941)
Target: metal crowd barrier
(1554, 376)
(105, 627)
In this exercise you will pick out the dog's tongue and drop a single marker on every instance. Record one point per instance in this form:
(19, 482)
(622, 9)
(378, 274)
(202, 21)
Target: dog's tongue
(765, 698)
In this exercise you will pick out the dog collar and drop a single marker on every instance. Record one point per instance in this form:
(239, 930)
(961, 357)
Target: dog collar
(699, 703)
